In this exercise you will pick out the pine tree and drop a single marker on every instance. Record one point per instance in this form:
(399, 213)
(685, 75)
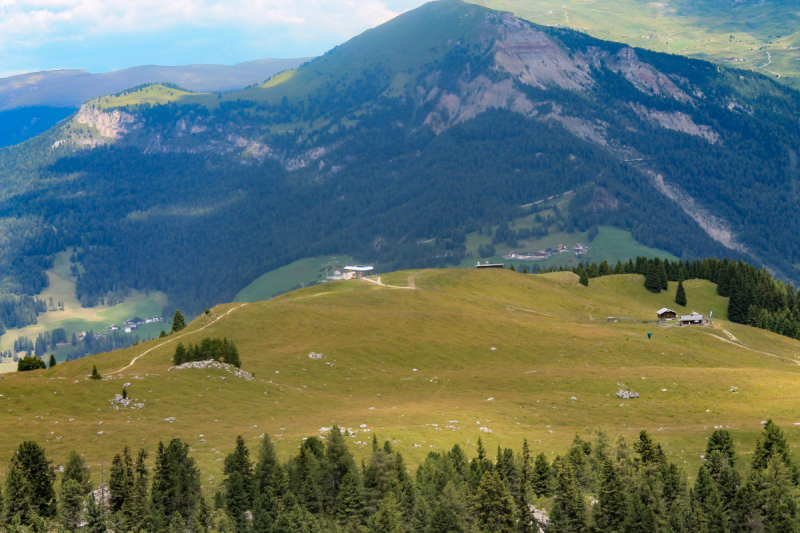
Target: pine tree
(95, 374)
(662, 274)
(52, 361)
(569, 511)
(180, 356)
(652, 279)
(680, 295)
(584, 279)
(134, 510)
(350, 499)
(340, 460)
(75, 469)
(494, 507)
(95, 518)
(266, 463)
(178, 322)
(387, 519)
(611, 509)
(542, 477)
(70, 504)
(29, 484)
(771, 443)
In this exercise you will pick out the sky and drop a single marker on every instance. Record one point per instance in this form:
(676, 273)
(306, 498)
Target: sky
(104, 35)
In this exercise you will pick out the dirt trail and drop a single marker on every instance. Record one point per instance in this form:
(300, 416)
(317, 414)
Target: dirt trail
(172, 338)
(751, 349)
(378, 281)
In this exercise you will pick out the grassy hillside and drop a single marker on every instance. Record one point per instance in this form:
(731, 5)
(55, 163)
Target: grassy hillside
(304, 272)
(155, 94)
(420, 366)
(758, 36)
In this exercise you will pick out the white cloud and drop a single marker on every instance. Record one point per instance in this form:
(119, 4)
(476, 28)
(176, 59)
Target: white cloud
(31, 23)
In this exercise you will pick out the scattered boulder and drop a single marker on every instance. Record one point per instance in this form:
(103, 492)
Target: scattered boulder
(627, 394)
(314, 355)
(203, 365)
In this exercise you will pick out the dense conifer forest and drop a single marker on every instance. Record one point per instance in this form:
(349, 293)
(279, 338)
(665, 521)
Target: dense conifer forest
(599, 484)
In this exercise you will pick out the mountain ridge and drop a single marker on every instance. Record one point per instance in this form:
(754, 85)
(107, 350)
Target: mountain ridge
(402, 134)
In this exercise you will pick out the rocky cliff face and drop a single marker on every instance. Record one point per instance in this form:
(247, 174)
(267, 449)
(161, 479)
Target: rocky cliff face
(111, 124)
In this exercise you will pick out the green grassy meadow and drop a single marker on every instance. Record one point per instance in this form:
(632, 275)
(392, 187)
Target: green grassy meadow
(304, 271)
(418, 367)
(155, 94)
(763, 34)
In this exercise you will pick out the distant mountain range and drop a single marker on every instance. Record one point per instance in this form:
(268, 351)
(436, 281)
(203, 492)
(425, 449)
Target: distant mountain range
(71, 88)
(393, 147)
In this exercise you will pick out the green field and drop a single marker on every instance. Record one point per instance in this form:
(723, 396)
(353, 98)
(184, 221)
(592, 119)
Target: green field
(156, 94)
(552, 343)
(304, 272)
(763, 34)
(75, 318)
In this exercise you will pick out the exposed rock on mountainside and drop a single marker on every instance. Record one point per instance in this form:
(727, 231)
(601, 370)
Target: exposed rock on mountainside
(111, 124)
(678, 122)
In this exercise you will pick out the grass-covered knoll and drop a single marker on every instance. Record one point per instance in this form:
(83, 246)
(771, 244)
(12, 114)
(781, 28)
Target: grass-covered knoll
(155, 94)
(418, 367)
(762, 36)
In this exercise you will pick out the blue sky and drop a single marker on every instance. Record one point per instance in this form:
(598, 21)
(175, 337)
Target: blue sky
(103, 35)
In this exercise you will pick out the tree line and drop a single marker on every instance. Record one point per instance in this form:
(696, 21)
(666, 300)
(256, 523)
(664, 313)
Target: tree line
(596, 486)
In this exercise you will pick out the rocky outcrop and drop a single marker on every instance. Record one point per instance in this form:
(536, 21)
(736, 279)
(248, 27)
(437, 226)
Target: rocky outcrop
(531, 57)
(677, 121)
(645, 77)
(111, 124)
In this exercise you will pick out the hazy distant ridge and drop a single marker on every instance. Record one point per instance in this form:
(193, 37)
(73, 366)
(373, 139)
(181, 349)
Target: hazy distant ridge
(71, 88)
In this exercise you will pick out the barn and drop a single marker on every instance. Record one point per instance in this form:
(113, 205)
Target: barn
(666, 314)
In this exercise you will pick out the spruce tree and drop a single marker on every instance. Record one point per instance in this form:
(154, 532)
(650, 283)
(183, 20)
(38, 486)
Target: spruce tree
(494, 507)
(52, 361)
(350, 498)
(584, 279)
(569, 512)
(178, 322)
(680, 295)
(340, 461)
(29, 484)
(652, 280)
(542, 477)
(387, 519)
(771, 443)
(611, 507)
(662, 275)
(75, 469)
(95, 517)
(70, 504)
(134, 510)
(180, 356)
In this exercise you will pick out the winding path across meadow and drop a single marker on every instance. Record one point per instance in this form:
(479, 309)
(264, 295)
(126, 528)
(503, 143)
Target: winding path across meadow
(170, 340)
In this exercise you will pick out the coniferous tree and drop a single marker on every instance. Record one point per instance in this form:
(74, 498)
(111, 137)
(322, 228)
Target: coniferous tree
(772, 442)
(652, 279)
(542, 477)
(95, 517)
(662, 274)
(611, 507)
(134, 510)
(70, 504)
(75, 469)
(387, 519)
(29, 484)
(494, 507)
(179, 357)
(680, 295)
(569, 512)
(95, 374)
(584, 279)
(178, 322)
(52, 362)
(120, 483)
(176, 484)
(350, 498)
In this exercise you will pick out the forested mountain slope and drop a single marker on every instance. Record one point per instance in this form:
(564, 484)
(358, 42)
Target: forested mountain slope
(444, 120)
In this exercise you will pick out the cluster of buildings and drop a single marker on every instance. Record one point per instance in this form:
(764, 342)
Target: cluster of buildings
(541, 255)
(349, 272)
(692, 319)
(132, 323)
